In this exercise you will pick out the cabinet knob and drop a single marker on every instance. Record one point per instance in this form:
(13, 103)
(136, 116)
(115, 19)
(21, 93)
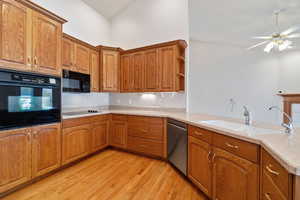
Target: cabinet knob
(29, 61)
(268, 197)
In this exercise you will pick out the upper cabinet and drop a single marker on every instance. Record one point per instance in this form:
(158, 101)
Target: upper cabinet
(156, 68)
(110, 69)
(30, 38)
(77, 55)
(95, 71)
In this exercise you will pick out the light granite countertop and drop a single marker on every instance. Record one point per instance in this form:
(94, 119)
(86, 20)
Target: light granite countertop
(285, 149)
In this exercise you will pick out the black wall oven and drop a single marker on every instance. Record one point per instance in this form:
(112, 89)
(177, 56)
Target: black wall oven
(76, 82)
(27, 99)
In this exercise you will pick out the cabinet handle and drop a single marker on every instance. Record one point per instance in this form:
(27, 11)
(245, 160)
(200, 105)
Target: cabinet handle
(28, 135)
(29, 61)
(35, 62)
(208, 156)
(34, 134)
(232, 146)
(268, 196)
(272, 171)
(213, 158)
(198, 133)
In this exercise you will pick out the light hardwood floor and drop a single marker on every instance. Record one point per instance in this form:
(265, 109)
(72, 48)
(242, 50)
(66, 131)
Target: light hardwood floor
(112, 175)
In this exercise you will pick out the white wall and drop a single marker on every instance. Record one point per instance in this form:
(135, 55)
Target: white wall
(144, 23)
(221, 68)
(85, 24)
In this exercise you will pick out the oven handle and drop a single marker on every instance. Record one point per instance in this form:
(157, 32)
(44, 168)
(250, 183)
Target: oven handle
(27, 85)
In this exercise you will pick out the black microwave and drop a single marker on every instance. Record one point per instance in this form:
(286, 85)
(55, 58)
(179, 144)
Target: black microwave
(76, 82)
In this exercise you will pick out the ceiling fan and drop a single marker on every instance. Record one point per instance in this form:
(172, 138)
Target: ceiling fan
(279, 40)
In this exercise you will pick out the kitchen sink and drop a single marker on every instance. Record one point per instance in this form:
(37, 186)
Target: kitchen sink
(251, 130)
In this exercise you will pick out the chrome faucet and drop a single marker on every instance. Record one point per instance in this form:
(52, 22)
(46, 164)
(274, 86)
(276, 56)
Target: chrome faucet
(247, 116)
(289, 127)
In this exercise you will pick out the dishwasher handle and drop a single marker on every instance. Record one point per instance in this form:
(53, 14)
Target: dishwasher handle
(181, 128)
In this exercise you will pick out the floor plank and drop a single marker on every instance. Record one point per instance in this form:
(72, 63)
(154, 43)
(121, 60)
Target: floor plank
(112, 175)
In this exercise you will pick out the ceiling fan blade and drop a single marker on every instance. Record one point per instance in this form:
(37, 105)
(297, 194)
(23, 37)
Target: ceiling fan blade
(269, 47)
(290, 30)
(257, 45)
(263, 37)
(296, 35)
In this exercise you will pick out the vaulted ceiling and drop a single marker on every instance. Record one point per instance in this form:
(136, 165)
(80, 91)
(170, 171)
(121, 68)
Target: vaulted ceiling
(108, 8)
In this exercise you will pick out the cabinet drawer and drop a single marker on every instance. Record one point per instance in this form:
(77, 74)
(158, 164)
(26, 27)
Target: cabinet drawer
(269, 190)
(202, 134)
(276, 172)
(238, 147)
(99, 118)
(119, 117)
(145, 146)
(68, 123)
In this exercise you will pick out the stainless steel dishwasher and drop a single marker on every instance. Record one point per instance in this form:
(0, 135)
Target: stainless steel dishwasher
(177, 145)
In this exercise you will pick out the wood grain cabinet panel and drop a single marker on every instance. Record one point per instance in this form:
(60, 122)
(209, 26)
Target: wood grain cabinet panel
(15, 41)
(199, 164)
(46, 149)
(100, 135)
(75, 143)
(167, 58)
(82, 59)
(152, 71)
(47, 37)
(138, 65)
(127, 73)
(95, 71)
(234, 177)
(118, 134)
(15, 154)
(68, 51)
(269, 189)
(149, 147)
(110, 71)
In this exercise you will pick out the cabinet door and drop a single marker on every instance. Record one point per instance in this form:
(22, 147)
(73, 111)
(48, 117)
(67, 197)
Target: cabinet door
(100, 135)
(127, 73)
(75, 143)
(199, 164)
(47, 37)
(46, 149)
(95, 71)
(82, 59)
(152, 71)
(68, 51)
(15, 154)
(110, 71)
(15, 41)
(138, 63)
(118, 135)
(234, 177)
(167, 65)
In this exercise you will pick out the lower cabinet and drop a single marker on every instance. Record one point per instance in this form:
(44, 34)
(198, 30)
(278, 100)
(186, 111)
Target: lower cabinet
(99, 135)
(199, 164)
(46, 149)
(75, 142)
(28, 153)
(15, 154)
(234, 177)
(118, 134)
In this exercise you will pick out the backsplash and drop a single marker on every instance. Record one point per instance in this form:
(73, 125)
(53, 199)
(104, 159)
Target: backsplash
(73, 100)
(158, 100)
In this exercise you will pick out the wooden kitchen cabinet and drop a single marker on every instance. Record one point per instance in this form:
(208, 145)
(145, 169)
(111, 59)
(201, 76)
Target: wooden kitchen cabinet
(95, 71)
(68, 51)
(127, 73)
(46, 149)
(138, 70)
(15, 36)
(99, 135)
(233, 177)
(75, 142)
(118, 131)
(155, 68)
(31, 38)
(82, 59)
(199, 164)
(152, 71)
(47, 35)
(110, 70)
(15, 154)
